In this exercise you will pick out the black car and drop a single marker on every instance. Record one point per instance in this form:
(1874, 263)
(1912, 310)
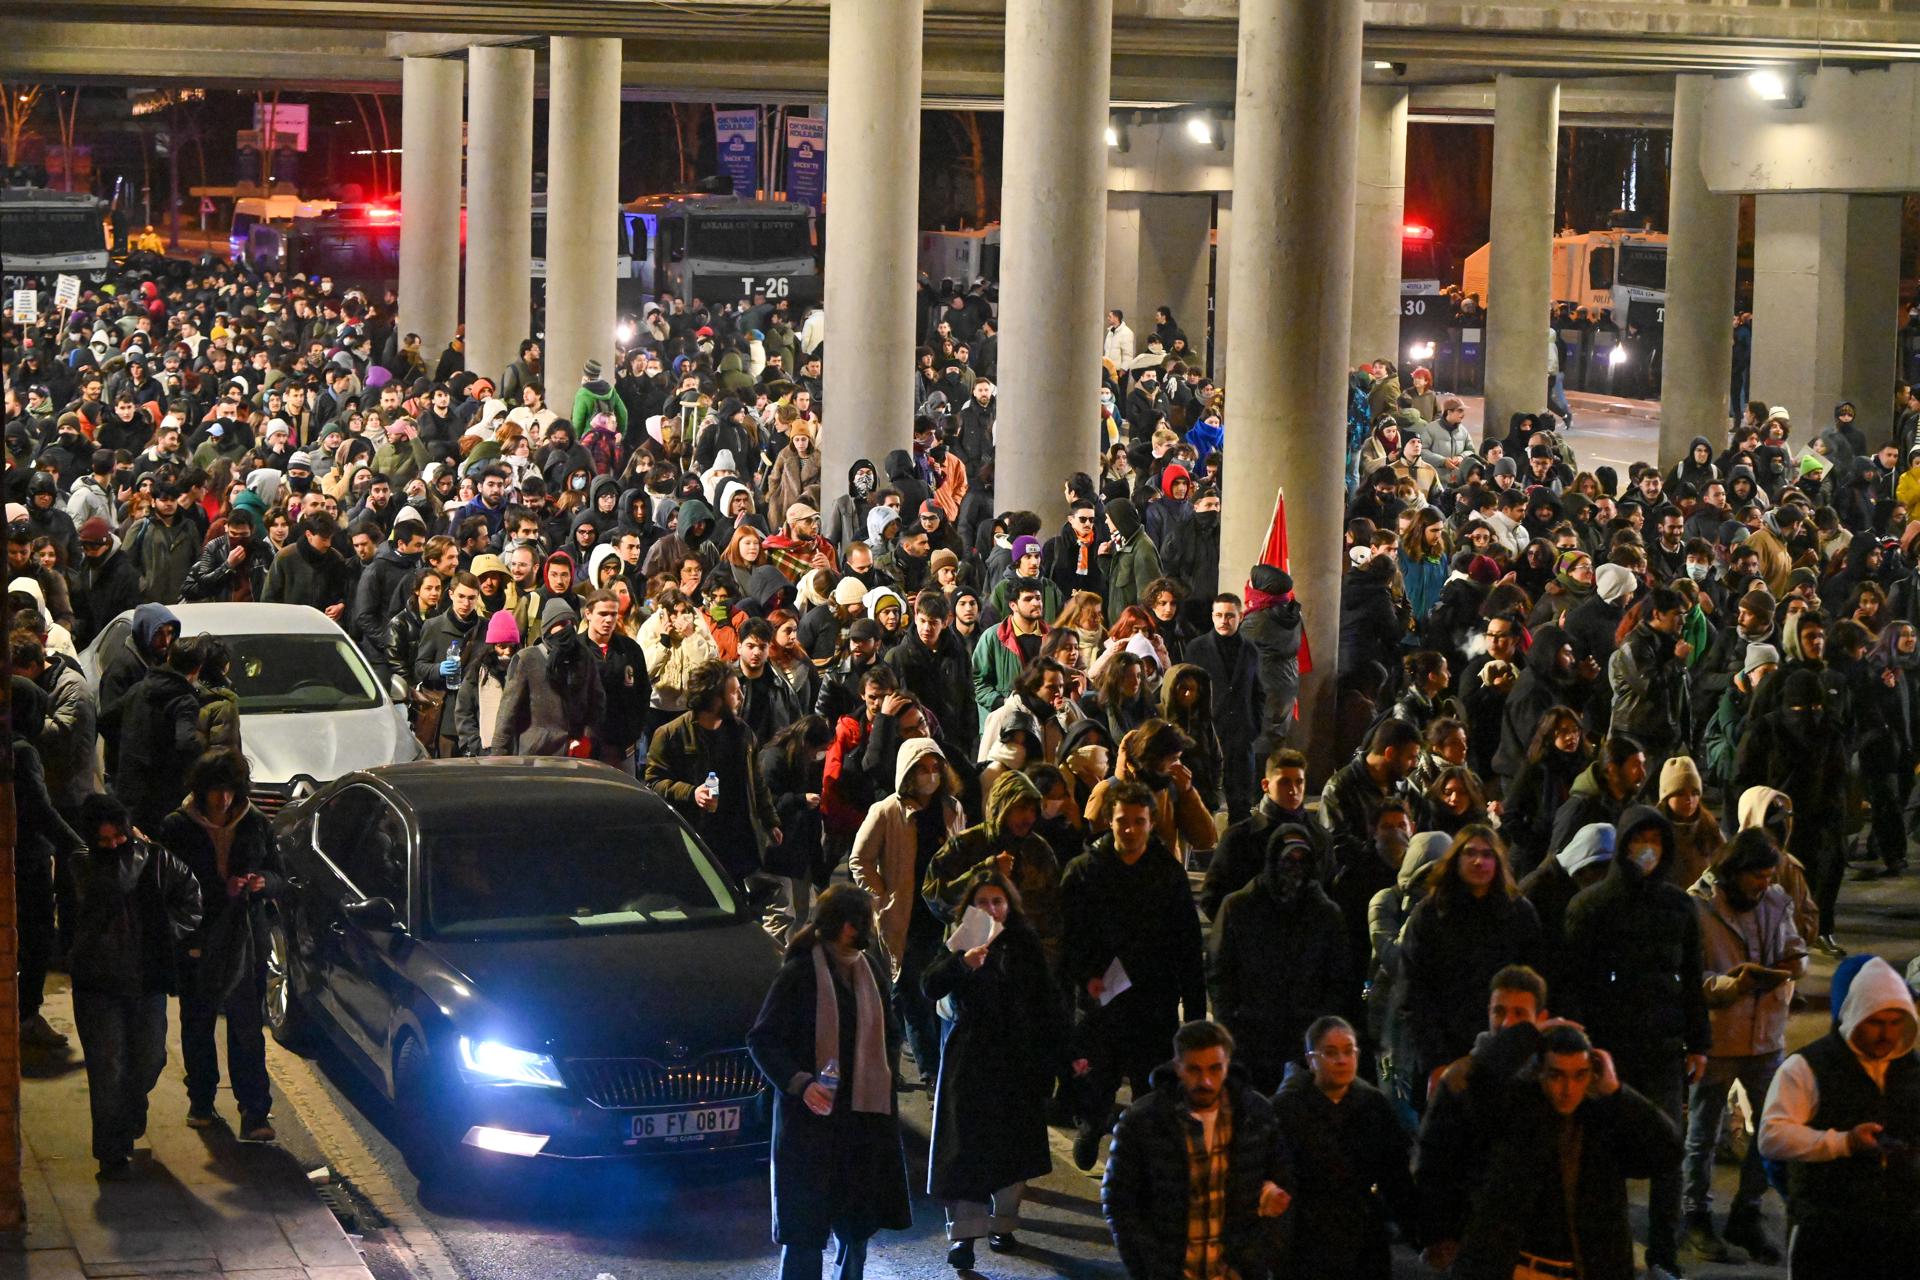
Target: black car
(532, 957)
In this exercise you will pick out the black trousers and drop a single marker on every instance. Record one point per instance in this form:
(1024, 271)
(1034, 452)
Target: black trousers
(1661, 1078)
(33, 903)
(1239, 778)
(246, 1049)
(1124, 1042)
(124, 1039)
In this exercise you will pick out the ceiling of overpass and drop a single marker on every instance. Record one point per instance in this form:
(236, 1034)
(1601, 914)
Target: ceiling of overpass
(1164, 51)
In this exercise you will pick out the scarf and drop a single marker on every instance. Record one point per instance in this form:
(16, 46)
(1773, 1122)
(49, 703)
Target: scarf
(872, 1079)
(1085, 539)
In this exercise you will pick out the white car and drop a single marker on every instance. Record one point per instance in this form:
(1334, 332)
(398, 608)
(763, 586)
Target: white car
(311, 709)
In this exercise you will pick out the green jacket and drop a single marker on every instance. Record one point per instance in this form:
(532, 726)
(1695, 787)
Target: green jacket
(996, 665)
(1128, 570)
(586, 403)
(164, 554)
(401, 460)
(1036, 872)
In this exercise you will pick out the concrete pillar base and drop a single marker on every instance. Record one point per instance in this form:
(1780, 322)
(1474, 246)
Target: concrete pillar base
(583, 198)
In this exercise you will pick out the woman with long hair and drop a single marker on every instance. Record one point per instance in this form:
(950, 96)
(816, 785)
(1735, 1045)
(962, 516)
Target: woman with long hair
(1006, 1042)
(789, 660)
(1120, 699)
(1472, 924)
(1454, 800)
(826, 1040)
(745, 552)
(1556, 754)
(1084, 617)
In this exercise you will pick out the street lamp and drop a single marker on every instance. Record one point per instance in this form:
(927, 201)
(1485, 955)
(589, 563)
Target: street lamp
(1775, 86)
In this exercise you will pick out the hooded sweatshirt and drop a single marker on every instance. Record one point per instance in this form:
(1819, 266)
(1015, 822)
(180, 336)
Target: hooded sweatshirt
(1036, 871)
(1798, 1124)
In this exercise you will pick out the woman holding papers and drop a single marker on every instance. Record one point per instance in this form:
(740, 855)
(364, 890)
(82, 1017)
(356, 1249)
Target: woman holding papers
(997, 1067)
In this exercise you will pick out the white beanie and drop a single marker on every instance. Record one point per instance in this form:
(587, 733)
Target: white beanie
(1614, 582)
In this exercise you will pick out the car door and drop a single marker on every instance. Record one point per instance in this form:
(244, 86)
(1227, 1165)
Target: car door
(363, 844)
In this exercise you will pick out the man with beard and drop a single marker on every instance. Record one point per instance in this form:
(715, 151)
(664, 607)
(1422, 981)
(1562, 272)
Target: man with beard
(1351, 801)
(702, 763)
(1281, 923)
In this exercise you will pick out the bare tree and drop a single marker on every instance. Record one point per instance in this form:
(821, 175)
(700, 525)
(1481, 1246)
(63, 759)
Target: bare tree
(17, 105)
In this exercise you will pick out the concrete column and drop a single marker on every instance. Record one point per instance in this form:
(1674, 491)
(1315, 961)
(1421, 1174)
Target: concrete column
(499, 206)
(1052, 247)
(1825, 298)
(1380, 208)
(1526, 117)
(873, 129)
(430, 200)
(1296, 113)
(1156, 255)
(1702, 251)
(583, 200)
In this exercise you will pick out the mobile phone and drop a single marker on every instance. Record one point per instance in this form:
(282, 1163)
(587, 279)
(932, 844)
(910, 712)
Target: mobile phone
(1767, 979)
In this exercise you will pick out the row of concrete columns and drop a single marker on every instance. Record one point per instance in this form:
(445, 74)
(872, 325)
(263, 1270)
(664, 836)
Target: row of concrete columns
(583, 148)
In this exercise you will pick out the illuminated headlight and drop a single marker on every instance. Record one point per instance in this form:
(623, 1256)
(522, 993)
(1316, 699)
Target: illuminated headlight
(1420, 351)
(490, 1062)
(1617, 356)
(506, 1141)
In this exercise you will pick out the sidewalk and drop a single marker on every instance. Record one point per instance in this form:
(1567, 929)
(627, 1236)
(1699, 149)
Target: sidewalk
(200, 1204)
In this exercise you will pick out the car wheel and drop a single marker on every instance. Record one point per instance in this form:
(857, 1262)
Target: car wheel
(423, 1099)
(286, 1015)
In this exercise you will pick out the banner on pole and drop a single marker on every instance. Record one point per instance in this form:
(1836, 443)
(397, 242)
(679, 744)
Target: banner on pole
(736, 141)
(66, 292)
(26, 306)
(806, 161)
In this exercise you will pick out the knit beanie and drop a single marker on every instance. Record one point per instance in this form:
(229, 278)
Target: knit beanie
(1126, 521)
(1759, 655)
(1614, 582)
(502, 629)
(1679, 774)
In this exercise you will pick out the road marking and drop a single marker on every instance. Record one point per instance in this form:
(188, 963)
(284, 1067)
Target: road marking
(411, 1240)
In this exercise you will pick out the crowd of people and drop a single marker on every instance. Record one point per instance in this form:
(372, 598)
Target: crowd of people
(1604, 747)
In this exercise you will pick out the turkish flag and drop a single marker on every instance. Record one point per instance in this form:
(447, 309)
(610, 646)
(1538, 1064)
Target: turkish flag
(1276, 555)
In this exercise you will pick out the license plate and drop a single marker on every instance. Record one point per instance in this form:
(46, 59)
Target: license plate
(687, 1124)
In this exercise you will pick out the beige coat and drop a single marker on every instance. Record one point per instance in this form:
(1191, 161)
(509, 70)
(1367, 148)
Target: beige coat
(1750, 1021)
(883, 861)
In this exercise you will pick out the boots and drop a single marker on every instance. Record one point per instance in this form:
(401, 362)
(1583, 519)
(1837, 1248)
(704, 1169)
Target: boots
(1745, 1229)
(1705, 1243)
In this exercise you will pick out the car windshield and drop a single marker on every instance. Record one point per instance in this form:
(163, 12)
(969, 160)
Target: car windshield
(1643, 266)
(289, 673)
(544, 878)
(749, 237)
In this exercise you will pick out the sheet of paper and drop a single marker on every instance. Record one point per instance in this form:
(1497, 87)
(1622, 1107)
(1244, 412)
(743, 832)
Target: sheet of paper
(1114, 981)
(977, 929)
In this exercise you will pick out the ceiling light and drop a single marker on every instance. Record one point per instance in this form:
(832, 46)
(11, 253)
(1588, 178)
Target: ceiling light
(1199, 129)
(1113, 136)
(1769, 85)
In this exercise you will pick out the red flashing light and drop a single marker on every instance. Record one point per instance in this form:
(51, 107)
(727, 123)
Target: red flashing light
(383, 213)
(1414, 231)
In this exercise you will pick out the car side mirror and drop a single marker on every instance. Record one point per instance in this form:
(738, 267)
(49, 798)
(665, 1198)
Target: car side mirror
(376, 915)
(760, 895)
(398, 689)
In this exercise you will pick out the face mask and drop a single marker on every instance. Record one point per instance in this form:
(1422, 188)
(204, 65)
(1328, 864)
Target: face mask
(579, 482)
(1697, 571)
(1647, 860)
(863, 482)
(922, 785)
(718, 612)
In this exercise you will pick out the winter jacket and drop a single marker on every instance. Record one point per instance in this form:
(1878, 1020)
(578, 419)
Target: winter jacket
(104, 589)
(677, 765)
(942, 679)
(137, 903)
(1128, 569)
(1451, 947)
(1144, 1193)
(1275, 633)
(67, 740)
(212, 578)
(301, 575)
(250, 851)
(1371, 628)
(1242, 853)
(159, 743)
(164, 555)
(883, 861)
(1351, 1165)
(1036, 872)
(1650, 700)
(1750, 1020)
(1260, 936)
(540, 714)
(1638, 986)
(1141, 915)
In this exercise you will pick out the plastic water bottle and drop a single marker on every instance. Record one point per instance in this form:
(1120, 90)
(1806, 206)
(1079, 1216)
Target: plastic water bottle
(713, 784)
(829, 1077)
(453, 655)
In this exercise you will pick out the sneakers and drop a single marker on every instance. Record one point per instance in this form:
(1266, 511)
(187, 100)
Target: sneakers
(201, 1118)
(37, 1033)
(960, 1255)
(255, 1129)
(1745, 1229)
(1086, 1147)
(1705, 1243)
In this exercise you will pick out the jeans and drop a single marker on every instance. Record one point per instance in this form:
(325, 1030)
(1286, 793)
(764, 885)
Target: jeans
(971, 1219)
(124, 1039)
(246, 1050)
(915, 1011)
(1706, 1105)
(1662, 1080)
(33, 904)
(1557, 397)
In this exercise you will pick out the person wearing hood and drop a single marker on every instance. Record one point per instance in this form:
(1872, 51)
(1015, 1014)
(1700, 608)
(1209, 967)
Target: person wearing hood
(1128, 558)
(596, 395)
(1648, 674)
(1272, 626)
(1752, 957)
(1005, 844)
(228, 845)
(1696, 469)
(1794, 749)
(1282, 922)
(553, 695)
(1241, 853)
(847, 521)
(1127, 908)
(1372, 626)
(1638, 989)
(1843, 1115)
(893, 852)
(937, 669)
(1552, 885)
(1553, 677)
(158, 735)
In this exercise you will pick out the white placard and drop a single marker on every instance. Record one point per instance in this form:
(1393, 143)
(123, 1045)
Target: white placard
(66, 291)
(977, 929)
(26, 306)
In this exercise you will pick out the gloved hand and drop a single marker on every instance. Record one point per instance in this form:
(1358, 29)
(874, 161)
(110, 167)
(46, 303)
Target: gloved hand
(449, 666)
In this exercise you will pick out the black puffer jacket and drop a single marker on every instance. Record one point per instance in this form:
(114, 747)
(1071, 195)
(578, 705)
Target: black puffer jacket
(1637, 987)
(1259, 936)
(1541, 686)
(1452, 946)
(1144, 1194)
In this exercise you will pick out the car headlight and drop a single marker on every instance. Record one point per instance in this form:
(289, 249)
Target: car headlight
(490, 1062)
